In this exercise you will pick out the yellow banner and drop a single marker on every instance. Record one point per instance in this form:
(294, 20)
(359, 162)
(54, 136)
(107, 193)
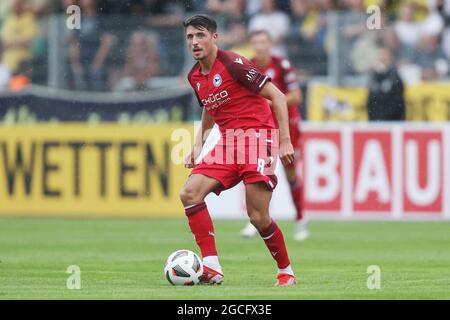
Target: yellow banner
(424, 102)
(92, 170)
(428, 102)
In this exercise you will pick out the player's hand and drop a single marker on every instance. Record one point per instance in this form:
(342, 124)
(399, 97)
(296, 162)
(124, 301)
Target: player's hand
(189, 161)
(286, 152)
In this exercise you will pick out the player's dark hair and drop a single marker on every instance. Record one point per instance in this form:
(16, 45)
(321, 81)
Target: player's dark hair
(201, 21)
(258, 32)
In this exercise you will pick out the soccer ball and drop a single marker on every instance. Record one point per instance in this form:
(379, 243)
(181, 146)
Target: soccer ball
(183, 267)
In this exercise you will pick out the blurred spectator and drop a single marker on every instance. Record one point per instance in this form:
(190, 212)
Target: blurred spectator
(4, 72)
(358, 42)
(434, 23)
(427, 60)
(64, 4)
(21, 77)
(142, 63)
(241, 44)
(215, 6)
(354, 6)
(406, 27)
(442, 8)
(42, 8)
(129, 7)
(273, 21)
(364, 50)
(17, 35)
(154, 7)
(89, 49)
(430, 57)
(301, 14)
(227, 10)
(317, 27)
(231, 17)
(4, 10)
(386, 92)
(388, 37)
(355, 19)
(253, 7)
(166, 13)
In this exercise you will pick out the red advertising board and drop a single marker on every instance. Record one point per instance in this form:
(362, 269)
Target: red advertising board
(423, 168)
(372, 171)
(387, 170)
(322, 170)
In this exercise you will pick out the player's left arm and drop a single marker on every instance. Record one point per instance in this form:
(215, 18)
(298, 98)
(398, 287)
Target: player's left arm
(279, 106)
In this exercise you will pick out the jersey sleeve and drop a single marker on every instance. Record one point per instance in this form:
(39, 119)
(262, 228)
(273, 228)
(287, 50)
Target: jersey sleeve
(244, 72)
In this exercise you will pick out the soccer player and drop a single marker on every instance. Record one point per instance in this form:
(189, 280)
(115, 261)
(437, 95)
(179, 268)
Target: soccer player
(284, 77)
(235, 96)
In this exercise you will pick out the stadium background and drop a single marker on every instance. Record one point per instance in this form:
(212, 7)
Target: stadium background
(91, 121)
(122, 74)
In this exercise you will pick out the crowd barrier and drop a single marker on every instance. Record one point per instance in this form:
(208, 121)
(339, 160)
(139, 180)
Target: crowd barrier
(42, 104)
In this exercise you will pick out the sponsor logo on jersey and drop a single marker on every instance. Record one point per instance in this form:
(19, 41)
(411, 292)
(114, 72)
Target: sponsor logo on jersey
(217, 80)
(238, 60)
(251, 75)
(215, 100)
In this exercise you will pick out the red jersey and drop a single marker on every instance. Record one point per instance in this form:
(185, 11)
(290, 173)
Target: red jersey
(230, 93)
(282, 74)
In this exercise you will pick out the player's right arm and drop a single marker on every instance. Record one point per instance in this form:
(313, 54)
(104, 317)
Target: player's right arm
(279, 106)
(202, 135)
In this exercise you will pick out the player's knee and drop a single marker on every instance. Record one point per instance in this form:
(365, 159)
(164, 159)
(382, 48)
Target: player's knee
(260, 221)
(255, 220)
(190, 195)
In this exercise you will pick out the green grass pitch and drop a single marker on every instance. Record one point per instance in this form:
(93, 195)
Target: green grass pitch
(123, 259)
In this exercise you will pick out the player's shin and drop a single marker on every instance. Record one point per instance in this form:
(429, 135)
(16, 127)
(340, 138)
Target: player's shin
(274, 240)
(203, 230)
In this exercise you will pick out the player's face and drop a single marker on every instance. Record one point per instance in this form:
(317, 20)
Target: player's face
(200, 42)
(262, 46)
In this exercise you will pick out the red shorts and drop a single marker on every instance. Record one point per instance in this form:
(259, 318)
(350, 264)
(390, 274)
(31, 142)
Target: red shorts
(231, 164)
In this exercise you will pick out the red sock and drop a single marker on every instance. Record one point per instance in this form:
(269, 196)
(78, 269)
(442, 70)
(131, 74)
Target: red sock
(202, 228)
(296, 192)
(273, 237)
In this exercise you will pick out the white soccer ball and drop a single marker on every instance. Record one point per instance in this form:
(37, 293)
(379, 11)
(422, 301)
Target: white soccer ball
(183, 268)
